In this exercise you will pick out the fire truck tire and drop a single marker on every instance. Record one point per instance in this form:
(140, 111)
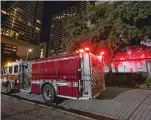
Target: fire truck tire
(8, 88)
(48, 93)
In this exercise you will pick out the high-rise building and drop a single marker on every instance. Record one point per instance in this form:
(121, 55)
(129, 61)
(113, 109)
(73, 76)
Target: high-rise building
(22, 20)
(58, 23)
(21, 26)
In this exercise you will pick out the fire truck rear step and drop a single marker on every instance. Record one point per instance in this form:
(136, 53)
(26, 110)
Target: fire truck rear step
(26, 90)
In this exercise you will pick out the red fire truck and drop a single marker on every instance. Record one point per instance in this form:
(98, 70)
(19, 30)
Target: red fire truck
(75, 76)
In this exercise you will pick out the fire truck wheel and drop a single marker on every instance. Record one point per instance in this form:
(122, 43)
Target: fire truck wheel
(8, 88)
(48, 93)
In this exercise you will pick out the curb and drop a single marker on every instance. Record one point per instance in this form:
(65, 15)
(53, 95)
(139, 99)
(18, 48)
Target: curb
(74, 114)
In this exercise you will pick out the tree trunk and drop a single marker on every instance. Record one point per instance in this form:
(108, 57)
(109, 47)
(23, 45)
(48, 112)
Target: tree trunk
(110, 69)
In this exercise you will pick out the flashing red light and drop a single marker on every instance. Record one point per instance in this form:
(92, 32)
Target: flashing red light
(81, 50)
(86, 49)
(102, 53)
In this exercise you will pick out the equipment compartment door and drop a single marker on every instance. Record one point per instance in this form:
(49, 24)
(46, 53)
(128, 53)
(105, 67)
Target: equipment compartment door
(68, 74)
(97, 74)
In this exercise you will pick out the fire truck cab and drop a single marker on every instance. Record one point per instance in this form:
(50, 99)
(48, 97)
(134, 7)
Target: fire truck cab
(16, 75)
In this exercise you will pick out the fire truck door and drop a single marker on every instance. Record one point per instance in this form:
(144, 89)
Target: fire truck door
(23, 76)
(69, 77)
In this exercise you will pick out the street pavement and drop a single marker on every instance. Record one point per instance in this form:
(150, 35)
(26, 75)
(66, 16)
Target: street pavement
(133, 104)
(14, 109)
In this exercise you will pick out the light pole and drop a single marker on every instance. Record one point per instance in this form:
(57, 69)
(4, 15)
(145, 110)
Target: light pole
(29, 50)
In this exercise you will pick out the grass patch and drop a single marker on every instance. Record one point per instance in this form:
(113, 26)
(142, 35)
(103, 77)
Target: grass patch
(111, 92)
(148, 82)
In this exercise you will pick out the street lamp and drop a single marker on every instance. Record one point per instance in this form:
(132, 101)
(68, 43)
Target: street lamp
(29, 50)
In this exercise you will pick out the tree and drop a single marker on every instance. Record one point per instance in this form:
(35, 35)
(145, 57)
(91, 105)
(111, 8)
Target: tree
(111, 26)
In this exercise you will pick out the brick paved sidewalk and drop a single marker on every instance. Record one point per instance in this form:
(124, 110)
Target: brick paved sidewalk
(131, 105)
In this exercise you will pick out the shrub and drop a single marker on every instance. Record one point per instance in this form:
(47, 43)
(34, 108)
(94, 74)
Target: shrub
(120, 79)
(148, 82)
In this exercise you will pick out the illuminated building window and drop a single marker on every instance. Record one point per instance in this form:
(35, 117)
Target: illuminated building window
(29, 24)
(8, 45)
(21, 33)
(19, 19)
(14, 15)
(17, 34)
(3, 11)
(11, 34)
(37, 28)
(38, 21)
(11, 49)
(7, 34)
(7, 52)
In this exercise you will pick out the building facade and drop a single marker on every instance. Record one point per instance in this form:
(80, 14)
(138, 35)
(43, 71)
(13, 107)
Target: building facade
(8, 49)
(58, 30)
(21, 26)
(22, 20)
(8, 52)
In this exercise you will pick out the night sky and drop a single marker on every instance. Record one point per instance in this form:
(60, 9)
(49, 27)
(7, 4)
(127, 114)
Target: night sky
(51, 7)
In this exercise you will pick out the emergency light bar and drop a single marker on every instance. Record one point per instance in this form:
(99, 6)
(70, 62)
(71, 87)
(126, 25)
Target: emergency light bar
(83, 50)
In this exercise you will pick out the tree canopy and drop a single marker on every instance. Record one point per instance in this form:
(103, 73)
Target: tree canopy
(120, 23)
(110, 26)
